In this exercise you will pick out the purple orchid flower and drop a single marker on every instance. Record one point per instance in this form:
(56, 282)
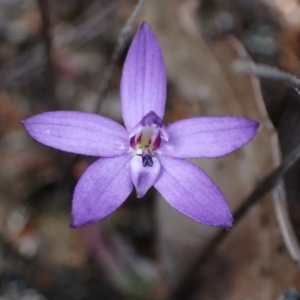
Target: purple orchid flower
(145, 153)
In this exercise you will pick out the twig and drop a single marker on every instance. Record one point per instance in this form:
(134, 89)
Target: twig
(119, 48)
(268, 183)
(188, 285)
(24, 68)
(31, 64)
(46, 36)
(93, 26)
(265, 71)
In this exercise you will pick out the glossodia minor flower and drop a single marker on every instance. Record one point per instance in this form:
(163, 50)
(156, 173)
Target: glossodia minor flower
(145, 153)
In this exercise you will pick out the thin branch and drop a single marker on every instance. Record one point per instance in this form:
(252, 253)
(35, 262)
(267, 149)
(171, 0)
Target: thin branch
(281, 210)
(46, 36)
(93, 26)
(31, 64)
(268, 183)
(265, 71)
(188, 285)
(119, 48)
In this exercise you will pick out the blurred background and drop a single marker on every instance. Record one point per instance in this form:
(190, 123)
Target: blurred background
(54, 55)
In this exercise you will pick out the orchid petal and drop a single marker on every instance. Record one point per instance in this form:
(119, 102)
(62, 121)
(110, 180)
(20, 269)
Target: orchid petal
(143, 177)
(103, 187)
(208, 136)
(189, 190)
(143, 84)
(79, 132)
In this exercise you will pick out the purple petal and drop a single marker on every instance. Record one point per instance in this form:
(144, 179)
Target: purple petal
(189, 190)
(103, 187)
(79, 132)
(208, 136)
(143, 85)
(143, 177)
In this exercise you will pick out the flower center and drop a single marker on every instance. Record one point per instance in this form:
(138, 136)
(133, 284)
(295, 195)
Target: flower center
(146, 137)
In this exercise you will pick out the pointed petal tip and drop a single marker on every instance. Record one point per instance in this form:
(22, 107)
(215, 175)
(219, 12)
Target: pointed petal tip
(226, 223)
(229, 228)
(25, 122)
(256, 125)
(81, 221)
(75, 224)
(144, 25)
(143, 83)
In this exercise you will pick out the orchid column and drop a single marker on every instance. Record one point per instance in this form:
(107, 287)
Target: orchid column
(145, 153)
